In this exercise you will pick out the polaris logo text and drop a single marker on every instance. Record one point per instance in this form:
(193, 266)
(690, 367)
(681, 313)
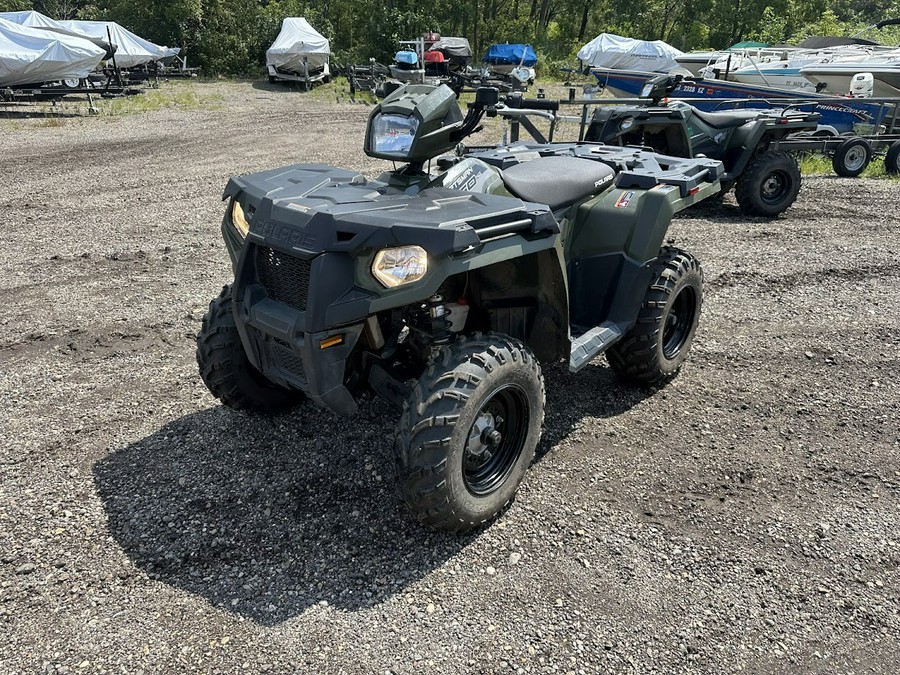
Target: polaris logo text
(288, 235)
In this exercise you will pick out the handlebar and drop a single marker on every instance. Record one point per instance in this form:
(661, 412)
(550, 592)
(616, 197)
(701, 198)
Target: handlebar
(532, 103)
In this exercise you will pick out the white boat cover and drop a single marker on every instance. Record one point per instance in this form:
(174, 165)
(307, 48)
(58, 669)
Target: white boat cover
(30, 18)
(35, 56)
(297, 41)
(38, 20)
(133, 50)
(621, 53)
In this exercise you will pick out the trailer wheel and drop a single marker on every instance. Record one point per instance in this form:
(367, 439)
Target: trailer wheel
(892, 158)
(226, 370)
(469, 431)
(851, 157)
(769, 184)
(658, 343)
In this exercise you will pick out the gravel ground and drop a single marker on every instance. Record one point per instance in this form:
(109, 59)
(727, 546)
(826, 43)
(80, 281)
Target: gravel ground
(743, 518)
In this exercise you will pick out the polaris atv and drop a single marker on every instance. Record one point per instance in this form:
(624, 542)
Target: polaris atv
(766, 179)
(443, 293)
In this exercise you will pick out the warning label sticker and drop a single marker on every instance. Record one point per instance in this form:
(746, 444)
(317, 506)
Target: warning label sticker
(624, 200)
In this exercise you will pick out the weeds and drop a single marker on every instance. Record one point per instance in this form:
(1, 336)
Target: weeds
(183, 96)
(819, 165)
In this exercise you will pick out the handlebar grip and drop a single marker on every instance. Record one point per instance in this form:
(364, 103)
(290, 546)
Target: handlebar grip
(532, 103)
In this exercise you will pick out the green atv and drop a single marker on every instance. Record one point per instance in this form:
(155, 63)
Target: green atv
(444, 292)
(765, 177)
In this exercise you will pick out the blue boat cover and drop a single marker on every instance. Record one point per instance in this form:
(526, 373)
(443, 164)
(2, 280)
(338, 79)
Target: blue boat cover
(406, 57)
(511, 54)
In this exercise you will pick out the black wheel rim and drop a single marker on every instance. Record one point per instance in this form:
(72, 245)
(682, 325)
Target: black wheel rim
(678, 322)
(495, 440)
(775, 187)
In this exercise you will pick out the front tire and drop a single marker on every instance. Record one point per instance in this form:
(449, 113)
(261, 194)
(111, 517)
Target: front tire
(769, 185)
(226, 370)
(469, 431)
(658, 343)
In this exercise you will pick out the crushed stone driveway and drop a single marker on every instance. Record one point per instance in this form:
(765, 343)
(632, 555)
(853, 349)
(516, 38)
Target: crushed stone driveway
(742, 518)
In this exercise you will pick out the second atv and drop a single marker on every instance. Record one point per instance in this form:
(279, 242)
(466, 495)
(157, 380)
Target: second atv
(443, 293)
(766, 179)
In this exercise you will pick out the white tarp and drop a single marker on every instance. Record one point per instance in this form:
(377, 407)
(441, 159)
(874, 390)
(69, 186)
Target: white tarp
(30, 18)
(613, 51)
(133, 50)
(37, 20)
(298, 41)
(35, 56)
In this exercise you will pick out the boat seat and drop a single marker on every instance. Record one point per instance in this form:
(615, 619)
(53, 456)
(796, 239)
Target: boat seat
(557, 181)
(727, 118)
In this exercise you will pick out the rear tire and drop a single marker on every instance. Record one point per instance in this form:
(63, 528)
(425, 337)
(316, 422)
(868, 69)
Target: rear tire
(658, 343)
(226, 370)
(769, 184)
(851, 157)
(892, 159)
(469, 431)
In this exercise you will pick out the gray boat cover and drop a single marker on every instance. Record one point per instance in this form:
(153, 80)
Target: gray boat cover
(621, 53)
(38, 20)
(36, 56)
(452, 46)
(132, 50)
(298, 41)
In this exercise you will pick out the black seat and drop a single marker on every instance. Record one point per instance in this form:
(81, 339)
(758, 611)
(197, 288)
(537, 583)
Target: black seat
(557, 181)
(727, 118)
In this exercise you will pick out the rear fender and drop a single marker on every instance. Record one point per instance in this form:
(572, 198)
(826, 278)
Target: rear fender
(611, 245)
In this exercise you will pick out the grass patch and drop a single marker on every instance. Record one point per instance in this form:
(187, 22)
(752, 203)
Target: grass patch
(813, 164)
(183, 96)
(338, 91)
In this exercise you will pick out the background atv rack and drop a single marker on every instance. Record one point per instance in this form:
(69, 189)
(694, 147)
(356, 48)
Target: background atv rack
(883, 139)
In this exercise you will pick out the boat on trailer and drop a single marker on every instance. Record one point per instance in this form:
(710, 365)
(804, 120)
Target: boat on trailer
(839, 115)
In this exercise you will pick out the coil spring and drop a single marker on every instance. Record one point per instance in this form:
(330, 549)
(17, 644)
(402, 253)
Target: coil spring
(437, 318)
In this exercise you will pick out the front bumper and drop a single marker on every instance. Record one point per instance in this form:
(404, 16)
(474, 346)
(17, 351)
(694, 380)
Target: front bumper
(278, 347)
(276, 328)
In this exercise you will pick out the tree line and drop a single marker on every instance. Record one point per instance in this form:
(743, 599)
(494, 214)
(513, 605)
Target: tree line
(230, 37)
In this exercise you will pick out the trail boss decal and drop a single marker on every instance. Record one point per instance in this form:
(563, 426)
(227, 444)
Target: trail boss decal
(624, 200)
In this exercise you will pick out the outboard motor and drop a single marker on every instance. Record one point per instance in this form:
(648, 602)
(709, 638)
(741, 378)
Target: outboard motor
(862, 85)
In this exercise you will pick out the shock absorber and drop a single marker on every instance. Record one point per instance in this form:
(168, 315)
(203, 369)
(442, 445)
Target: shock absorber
(437, 315)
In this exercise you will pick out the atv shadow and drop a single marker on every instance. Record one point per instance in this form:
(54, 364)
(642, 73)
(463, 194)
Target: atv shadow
(267, 516)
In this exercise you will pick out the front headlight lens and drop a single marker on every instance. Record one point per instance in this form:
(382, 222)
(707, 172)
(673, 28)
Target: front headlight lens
(239, 220)
(401, 265)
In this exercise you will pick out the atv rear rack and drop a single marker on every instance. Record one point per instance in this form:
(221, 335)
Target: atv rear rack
(635, 168)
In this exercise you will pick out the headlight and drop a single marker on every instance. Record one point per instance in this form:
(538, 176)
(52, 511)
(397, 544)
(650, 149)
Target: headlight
(648, 88)
(237, 217)
(401, 265)
(626, 124)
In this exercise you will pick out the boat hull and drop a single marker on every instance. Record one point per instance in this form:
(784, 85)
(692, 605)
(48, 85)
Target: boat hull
(781, 78)
(837, 77)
